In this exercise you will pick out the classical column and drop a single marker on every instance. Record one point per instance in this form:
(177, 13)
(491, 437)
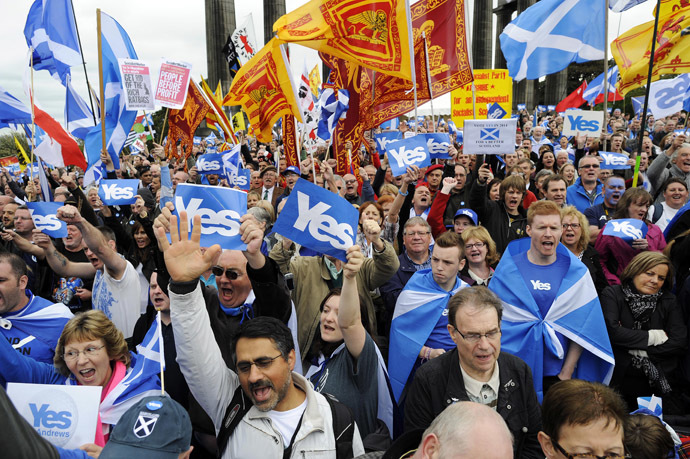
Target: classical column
(273, 10)
(503, 12)
(482, 34)
(524, 91)
(220, 23)
(556, 86)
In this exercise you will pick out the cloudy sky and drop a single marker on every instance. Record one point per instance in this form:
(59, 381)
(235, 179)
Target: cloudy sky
(170, 29)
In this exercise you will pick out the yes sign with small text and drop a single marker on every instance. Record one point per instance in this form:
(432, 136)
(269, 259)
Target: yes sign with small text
(118, 192)
(45, 218)
(408, 152)
(220, 210)
(586, 122)
(319, 220)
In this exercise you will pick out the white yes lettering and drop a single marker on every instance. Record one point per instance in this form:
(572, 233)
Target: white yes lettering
(224, 222)
(322, 227)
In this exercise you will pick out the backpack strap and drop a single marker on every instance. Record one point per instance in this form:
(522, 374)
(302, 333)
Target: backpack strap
(658, 212)
(343, 427)
(238, 407)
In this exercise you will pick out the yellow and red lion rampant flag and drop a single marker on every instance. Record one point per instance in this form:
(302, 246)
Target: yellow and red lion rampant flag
(183, 123)
(264, 88)
(671, 54)
(370, 33)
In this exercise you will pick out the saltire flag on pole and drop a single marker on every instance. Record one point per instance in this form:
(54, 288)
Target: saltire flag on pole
(118, 120)
(551, 34)
(594, 94)
(632, 49)
(371, 34)
(51, 32)
(184, 122)
(574, 99)
(77, 113)
(12, 110)
(244, 40)
(618, 6)
(334, 106)
(265, 89)
(57, 147)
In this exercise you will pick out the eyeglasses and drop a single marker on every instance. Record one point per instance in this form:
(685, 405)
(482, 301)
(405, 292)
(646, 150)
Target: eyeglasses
(587, 455)
(476, 337)
(589, 166)
(261, 364)
(91, 351)
(349, 182)
(418, 233)
(571, 225)
(218, 271)
(477, 245)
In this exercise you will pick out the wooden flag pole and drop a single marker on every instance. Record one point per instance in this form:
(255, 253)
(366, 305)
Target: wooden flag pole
(100, 77)
(643, 123)
(165, 120)
(428, 77)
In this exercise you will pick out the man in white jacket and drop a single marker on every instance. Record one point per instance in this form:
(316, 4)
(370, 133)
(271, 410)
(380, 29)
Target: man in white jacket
(287, 419)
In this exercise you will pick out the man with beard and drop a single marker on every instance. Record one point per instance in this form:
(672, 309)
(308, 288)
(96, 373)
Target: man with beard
(281, 415)
(598, 215)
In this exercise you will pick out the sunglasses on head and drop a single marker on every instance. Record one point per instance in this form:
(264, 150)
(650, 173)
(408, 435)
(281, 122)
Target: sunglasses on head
(218, 271)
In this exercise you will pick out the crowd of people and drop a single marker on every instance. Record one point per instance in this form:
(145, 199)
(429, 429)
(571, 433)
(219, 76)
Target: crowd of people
(484, 310)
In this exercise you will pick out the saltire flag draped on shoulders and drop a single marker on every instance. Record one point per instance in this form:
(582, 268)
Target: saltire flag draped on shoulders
(118, 120)
(551, 34)
(574, 99)
(51, 32)
(264, 88)
(443, 23)
(372, 34)
(418, 309)
(77, 113)
(632, 50)
(12, 110)
(575, 313)
(184, 122)
(290, 149)
(594, 94)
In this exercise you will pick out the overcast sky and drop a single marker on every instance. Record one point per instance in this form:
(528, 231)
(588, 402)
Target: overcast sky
(171, 29)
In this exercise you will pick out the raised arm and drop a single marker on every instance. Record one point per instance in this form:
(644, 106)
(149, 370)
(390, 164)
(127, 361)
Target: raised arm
(349, 317)
(57, 261)
(23, 244)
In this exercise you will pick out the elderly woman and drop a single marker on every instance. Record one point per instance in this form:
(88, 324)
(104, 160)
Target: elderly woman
(582, 419)
(91, 351)
(373, 212)
(575, 237)
(646, 328)
(614, 252)
(480, 256)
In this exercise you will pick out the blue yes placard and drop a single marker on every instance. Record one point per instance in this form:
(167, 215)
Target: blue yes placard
(220, 210)
(437, 144)
(321, 221)
(118, 192)
(45, 218)
(210, 163)
(383, 139)
(627, 229)
(241, 180)
(613, 160)
(408, 152)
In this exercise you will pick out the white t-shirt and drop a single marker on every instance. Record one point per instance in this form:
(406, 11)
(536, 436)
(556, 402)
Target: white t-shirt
(118, 299)
(286, 421)
(666, 216)
(144, 296)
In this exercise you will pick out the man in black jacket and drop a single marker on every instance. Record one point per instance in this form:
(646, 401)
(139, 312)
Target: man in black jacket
(477, 371)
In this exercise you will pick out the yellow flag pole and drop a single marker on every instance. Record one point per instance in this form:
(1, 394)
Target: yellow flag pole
(100, 77)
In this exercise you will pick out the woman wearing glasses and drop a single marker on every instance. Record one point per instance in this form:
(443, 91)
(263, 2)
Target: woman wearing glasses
(582, 420)
(91, 351)
(344, 360)
(575, 237)
(481, 256)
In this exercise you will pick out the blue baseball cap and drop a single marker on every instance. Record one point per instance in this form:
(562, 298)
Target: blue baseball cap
(154, 428)
(469, 213)
(292, 170)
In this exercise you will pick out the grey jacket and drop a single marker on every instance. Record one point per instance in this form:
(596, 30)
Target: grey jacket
(657, 173)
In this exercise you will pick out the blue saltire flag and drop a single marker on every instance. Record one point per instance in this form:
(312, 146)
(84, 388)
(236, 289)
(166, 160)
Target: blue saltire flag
(118, 192)
(452, 128)
(596, 87)
(220, 210)
(77, 113)
(495, 112)
(242, 179)
(619, 6)
(334, 106)
(210, 163)
(231, 161)
(96, 172)
(686, 101)
(211, 139)
(551, 34)
(652, 404)
(638, 104)
(575, 313)
(44, 215)
(166, 186)
(437, 144)
(614, 160)
(324, 222)
(627, 229)
(51, 31)
(384, 139)
(118, 120)
(418, 309)
(46, 190)
(407, 152)
(521, 106)
(12, 110)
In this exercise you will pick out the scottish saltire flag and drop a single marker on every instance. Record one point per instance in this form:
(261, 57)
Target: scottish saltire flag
(211, 139)
(386, 400)
(418, 309)
(619, 6)
(334, 107)
(651, 403)
(12, 110)
(627, 229)
(118, 120)
(551, 34)
(575, 313)
(638, 104)
(51, 32)
(95, 174)
(686, 100)
(77, 113)
(231, 161)
(596, 87)
(390, 125)
(454, 130)
(521, 106)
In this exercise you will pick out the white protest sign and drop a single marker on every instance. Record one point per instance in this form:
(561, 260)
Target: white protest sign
(588, 122)
(136, 82)
(489, 137)
(173, 82)
(66, 416)
(666, 96)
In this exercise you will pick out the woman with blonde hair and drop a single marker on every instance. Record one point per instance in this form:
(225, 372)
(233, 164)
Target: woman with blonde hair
(480, 254)
(569, 173)
(575, 237)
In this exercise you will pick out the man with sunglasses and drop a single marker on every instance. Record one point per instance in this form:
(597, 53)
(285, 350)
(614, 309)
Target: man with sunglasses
(587, 189)
(477, 371)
